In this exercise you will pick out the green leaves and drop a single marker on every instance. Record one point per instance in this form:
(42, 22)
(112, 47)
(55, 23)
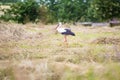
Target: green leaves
(104, 10)
(67, 10)
(23, 12)
(50, 11)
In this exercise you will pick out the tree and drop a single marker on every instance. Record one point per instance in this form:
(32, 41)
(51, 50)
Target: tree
(102, 10)
(50, 11)
(22, 12)
(67, 10)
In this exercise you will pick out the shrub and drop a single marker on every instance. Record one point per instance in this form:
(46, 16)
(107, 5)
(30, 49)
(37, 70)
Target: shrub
(22, 12)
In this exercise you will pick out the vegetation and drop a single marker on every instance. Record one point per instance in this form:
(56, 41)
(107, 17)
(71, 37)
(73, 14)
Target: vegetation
(37, 53)
(6, 74)
(49, 11)
(100, 10)
(22, 12)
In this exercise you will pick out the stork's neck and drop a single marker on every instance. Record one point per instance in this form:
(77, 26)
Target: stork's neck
(59, 26)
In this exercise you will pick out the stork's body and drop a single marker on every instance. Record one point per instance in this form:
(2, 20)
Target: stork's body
(64, 31)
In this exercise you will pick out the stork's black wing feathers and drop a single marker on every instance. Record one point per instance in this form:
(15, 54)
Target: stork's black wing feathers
(68, 32)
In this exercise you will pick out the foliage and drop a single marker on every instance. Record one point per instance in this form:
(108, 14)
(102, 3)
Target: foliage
(50, 11)
(78, 10)
(22, 12)
(7, 1)
(68, 10)
(100, 10)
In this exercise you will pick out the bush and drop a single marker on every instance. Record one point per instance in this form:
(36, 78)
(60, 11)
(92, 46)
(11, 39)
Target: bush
(22, 12)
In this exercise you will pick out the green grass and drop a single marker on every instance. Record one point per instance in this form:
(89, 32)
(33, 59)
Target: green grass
(110, 71)
(88, 36)
(7, 74)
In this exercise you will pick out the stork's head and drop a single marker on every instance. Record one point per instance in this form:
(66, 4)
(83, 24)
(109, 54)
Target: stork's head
(60, 24)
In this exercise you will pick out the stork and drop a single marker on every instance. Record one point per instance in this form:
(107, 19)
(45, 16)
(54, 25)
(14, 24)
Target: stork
(64, 31)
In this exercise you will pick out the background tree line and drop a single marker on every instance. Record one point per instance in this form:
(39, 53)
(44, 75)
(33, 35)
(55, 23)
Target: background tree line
(50, 11)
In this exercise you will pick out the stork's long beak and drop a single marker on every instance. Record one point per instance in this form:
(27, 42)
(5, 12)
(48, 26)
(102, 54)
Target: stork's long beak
(56, 27)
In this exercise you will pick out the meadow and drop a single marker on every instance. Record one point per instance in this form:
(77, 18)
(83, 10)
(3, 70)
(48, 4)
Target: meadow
(37, 52)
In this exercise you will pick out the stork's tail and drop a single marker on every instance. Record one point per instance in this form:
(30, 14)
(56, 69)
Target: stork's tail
(73, 34)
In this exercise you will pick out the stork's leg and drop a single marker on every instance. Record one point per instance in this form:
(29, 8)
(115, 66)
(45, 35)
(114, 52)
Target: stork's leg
(65, 38)
(65, 41)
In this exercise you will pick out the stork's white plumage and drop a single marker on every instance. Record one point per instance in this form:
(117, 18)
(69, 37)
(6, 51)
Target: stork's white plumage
(64, 31)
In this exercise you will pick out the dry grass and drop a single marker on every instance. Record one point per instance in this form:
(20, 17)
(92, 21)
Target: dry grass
(40, 54)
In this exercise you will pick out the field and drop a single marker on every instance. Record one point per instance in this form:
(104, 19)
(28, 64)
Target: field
(37, 52)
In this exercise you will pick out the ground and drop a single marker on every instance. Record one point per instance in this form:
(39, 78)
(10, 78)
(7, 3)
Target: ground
(37, 52)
